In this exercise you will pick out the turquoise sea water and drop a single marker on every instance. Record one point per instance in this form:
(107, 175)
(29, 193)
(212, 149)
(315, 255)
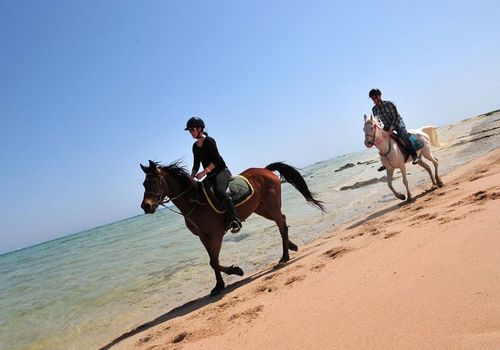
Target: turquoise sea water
(83, 290)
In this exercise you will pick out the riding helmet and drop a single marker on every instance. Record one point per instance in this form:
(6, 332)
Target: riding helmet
(374, 92)
(194, 122)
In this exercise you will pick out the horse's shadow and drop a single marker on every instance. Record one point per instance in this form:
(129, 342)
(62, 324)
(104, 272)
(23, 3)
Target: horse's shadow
(394, 207)
(199, 303)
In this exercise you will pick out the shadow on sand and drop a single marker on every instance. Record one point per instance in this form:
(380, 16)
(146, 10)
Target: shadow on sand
(384, 211)
(196, 304)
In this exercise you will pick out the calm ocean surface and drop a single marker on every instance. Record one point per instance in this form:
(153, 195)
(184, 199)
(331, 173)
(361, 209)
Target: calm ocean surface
(83, 290)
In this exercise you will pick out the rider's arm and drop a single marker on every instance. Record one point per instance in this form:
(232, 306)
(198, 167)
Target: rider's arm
(196, 163)
(211, 149)
(393, 115)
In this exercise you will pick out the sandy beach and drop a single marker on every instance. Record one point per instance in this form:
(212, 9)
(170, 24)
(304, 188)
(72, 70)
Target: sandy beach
(420, 275)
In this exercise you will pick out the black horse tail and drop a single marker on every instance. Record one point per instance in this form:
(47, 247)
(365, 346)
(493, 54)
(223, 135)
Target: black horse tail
(293, 177)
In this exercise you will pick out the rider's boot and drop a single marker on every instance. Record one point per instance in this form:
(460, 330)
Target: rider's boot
(232, 218)
(416, 158)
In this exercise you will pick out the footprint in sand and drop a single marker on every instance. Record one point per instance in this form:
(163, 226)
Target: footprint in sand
(264, 288)
(445, 220)
(479, 197)
(335, 252)
(318, 267)
(144, 339)
(425, 217)
(294, 279)
(227, 304)
(391, 234)
(179, 337)
(348, 238)
(478, 175)
(249, 314)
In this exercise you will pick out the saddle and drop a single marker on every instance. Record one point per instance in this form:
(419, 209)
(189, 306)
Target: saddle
(416, 143)
(240, 191)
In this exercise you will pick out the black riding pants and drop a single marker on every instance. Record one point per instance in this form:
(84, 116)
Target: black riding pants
(220, 181)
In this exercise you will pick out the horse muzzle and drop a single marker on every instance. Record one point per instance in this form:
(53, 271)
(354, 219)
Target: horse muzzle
(369, 144)
(148, 207)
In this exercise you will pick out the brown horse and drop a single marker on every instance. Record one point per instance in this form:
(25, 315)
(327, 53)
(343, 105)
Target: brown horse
(172, 182)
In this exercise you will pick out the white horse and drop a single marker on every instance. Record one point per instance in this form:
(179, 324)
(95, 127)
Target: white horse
(392, 157)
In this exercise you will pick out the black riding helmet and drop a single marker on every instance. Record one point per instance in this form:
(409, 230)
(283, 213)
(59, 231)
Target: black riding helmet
(374, 92)
(194, 122)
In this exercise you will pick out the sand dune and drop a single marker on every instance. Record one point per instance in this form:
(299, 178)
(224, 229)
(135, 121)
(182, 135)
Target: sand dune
(423, 275)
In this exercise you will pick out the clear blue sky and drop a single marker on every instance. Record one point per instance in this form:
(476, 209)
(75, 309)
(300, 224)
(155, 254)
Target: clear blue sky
(88, 89)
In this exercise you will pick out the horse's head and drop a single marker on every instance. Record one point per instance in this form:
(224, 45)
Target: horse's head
(369, 128)
(154, 187)
(161, 182)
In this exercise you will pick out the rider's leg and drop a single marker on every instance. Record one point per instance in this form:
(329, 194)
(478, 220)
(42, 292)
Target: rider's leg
(221, 183)
(404, 135)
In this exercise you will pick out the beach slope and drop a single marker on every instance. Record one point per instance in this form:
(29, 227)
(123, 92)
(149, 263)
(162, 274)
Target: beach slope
(423, 275)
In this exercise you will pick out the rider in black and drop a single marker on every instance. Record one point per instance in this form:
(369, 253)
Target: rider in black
(205, 152)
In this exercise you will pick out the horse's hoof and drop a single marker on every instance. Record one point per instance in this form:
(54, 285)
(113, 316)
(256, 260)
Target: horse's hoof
(409, 199)
(236, 270)
(439, 183)
(292, 246)
(283, 261)
(401, 196)
(216, 290)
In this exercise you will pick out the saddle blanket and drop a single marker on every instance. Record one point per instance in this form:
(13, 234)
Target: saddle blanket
(240, 190)
(416, 142)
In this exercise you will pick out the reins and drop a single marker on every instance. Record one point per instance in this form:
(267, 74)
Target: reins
(376, 143)
(167, 200)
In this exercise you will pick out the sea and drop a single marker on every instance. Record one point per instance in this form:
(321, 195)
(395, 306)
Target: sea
(86, 289)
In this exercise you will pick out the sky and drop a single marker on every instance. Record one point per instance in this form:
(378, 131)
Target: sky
(90, 89)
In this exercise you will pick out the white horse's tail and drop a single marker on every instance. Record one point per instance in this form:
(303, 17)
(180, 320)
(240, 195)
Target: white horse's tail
(432, 134)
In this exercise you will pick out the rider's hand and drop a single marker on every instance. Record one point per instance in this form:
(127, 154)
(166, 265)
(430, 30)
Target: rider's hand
(201, 174)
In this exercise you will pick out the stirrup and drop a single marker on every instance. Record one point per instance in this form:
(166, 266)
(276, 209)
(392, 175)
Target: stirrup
(417, 160)
(235, 226)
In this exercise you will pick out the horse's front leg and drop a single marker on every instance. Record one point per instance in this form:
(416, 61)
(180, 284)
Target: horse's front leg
(405, 181)
(213, 246)
(390, 173)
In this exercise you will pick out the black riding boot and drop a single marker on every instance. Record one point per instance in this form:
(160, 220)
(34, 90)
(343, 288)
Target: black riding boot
(416, 158)
(232, 218)
(414, 155)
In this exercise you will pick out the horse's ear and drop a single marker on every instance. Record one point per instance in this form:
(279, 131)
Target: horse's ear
(154, 167)
(365, 118)
(145, 169)
(371, 117)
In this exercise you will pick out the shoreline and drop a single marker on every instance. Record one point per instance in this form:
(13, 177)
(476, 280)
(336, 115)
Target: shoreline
(290, 307)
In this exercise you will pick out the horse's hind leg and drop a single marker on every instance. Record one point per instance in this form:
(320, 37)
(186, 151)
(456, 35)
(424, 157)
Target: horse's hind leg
(280, 220)
(428, 155)
(426, 167)
(405, 181)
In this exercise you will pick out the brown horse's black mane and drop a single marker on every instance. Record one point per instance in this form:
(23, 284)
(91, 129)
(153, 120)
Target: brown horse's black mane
(178, 172)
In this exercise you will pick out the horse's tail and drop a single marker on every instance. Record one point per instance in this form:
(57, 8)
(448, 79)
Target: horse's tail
(432, 134)
(293, 177)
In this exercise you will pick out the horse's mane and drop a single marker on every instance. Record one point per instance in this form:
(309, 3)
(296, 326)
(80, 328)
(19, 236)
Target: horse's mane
(376, 120)
(177, 171)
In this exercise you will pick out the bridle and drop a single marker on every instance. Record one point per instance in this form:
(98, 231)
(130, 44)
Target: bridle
(162, 198)
(377, 142)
